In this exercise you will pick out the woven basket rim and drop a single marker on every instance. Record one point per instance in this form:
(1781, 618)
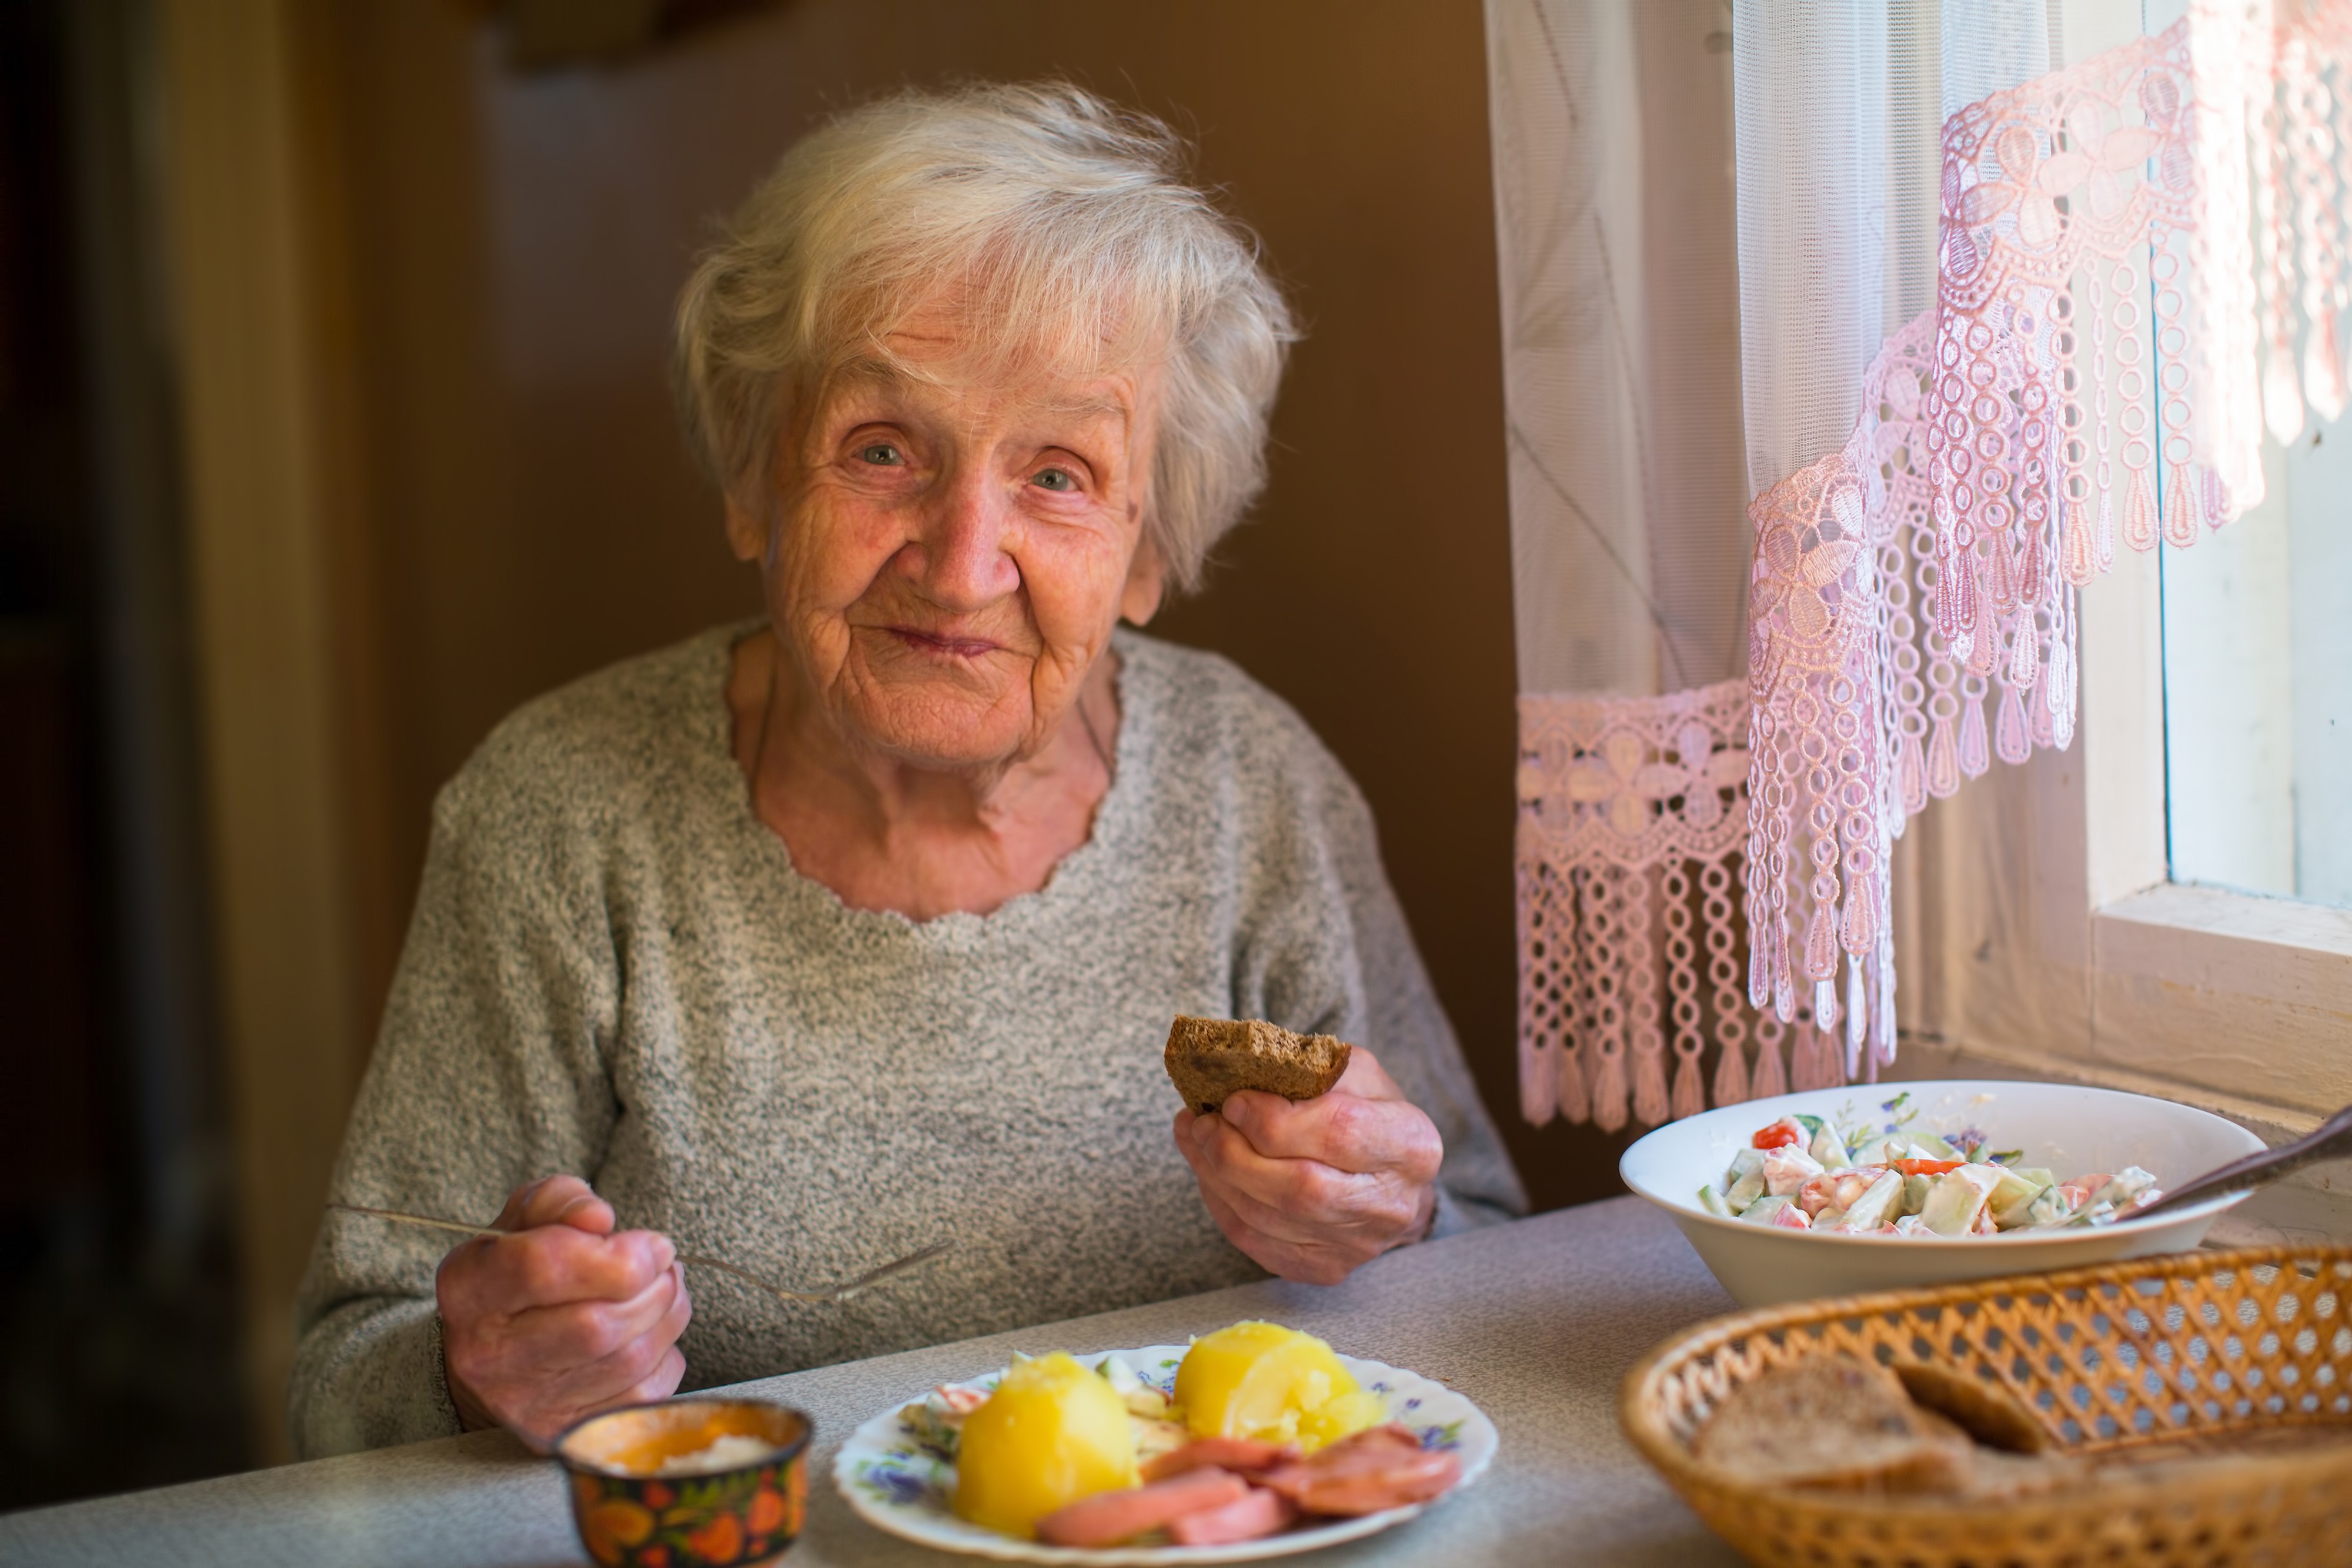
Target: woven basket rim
(1640, 1417)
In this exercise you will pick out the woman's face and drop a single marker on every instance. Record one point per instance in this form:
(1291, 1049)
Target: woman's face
(951, 549)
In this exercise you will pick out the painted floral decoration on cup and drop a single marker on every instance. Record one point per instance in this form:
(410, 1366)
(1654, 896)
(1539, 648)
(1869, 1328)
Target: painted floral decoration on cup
(688, 1483)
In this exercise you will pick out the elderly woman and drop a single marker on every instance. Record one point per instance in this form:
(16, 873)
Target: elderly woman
(808, 943)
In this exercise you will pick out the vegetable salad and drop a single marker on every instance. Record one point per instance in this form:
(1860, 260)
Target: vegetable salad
(1897, 1178)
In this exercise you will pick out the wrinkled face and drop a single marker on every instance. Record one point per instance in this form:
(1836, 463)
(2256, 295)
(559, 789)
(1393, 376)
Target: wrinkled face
(951, 547)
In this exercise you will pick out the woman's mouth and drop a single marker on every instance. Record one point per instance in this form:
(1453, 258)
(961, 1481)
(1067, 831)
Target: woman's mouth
(941, 645)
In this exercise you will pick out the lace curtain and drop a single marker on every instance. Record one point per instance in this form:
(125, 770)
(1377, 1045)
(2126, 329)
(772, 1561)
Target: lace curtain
(1996, 312)
(1621, 301)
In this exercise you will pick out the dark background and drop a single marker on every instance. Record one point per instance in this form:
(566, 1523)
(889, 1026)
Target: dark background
(117, 1305)
(507, 206)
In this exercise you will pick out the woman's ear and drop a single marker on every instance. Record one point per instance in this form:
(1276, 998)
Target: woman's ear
(1147, 584)
(746, 535)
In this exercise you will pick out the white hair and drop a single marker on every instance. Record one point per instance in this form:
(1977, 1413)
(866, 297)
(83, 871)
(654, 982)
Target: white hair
(1068, 226)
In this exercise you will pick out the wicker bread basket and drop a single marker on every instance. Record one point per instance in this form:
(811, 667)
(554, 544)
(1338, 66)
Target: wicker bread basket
(2249, 1347)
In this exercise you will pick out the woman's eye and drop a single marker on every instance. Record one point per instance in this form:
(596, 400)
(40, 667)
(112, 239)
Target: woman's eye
(1054, 480)
(881, 454)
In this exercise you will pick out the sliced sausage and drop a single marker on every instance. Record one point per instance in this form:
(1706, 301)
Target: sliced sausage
(1243, 1455)
(1108, 1518)
(1262, 1512)
(1374, 1491)
(1381, 1469)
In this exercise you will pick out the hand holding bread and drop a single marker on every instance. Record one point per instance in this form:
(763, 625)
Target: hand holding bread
(1311, 1184)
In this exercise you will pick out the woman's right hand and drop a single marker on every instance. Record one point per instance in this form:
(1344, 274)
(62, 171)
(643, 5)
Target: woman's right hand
(561, 1319)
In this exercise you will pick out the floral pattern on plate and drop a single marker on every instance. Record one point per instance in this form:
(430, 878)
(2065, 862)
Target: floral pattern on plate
(900, 1478)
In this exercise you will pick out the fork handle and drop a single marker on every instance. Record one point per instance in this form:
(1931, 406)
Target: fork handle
(427, 1220)
(2330, 1140)
(750, 1278)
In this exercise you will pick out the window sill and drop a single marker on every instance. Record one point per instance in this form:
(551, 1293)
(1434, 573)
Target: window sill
(2239, 994)
(2265, 931)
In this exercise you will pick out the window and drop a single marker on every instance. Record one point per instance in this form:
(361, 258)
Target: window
(2168, 905)
(2097, 913)
(2258, 686)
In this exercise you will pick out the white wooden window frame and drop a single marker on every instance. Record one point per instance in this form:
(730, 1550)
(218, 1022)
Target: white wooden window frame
(2040, 930)
(2038, 927)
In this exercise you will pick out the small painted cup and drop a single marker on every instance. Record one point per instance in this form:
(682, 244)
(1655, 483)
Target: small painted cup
(688, 1483)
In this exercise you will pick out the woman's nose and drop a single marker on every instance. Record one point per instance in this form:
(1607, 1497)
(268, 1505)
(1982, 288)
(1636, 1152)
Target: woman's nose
(965, 561)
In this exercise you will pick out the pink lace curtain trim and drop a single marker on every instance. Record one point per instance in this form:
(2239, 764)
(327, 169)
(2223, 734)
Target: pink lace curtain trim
(1633, 818)
(2144, 259)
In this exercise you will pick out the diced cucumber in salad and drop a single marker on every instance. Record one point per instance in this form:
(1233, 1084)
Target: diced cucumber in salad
(1859, 1177)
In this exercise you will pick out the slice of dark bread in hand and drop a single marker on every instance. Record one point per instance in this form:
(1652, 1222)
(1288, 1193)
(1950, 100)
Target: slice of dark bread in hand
(1209, 1058)
(1835, 1424)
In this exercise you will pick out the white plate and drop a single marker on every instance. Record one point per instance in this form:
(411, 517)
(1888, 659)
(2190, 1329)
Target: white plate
(2069, 1128)
(900, 1483)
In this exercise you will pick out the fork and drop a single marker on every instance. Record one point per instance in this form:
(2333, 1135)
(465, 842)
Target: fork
(840, 1292)
(2332, 1139)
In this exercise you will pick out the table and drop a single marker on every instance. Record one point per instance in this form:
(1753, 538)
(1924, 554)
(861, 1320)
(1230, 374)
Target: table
(1536, 1322)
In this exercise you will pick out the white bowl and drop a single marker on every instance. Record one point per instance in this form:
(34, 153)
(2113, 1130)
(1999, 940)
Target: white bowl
(2071, 1130)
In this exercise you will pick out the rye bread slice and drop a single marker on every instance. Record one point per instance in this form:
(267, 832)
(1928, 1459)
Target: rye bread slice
(1837, 1425)
(1986, 1411)
(1209, 1058)
(1996, 1475)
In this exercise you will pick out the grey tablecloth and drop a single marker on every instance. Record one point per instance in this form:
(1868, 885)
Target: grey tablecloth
(1536, 1322)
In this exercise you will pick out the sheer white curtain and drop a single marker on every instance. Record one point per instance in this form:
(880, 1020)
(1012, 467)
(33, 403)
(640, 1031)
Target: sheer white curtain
(1841, 104)
(1613, 168)
(1620, 287)
(2001, 301)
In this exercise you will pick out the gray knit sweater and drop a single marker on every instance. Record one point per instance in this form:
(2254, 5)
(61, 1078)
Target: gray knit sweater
(615, 971)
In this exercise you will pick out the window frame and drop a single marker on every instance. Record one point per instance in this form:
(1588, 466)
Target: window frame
(2038, 929)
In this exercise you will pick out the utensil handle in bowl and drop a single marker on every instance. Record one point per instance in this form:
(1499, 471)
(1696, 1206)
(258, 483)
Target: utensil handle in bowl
(2331, 1139)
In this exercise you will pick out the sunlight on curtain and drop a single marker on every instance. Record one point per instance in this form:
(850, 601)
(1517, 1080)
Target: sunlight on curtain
(1841, 108)
(1997, 310)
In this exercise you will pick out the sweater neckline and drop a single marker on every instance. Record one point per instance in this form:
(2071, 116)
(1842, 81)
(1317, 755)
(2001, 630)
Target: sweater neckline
(1073, 877)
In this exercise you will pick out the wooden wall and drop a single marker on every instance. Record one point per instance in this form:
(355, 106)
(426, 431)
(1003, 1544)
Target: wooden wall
(492, 259)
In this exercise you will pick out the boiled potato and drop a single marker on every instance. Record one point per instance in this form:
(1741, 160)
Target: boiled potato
(1263, 1381)
(1051, 1433)
(1340, 1416)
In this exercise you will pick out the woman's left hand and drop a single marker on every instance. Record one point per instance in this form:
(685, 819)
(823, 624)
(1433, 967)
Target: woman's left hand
(1315, 1188)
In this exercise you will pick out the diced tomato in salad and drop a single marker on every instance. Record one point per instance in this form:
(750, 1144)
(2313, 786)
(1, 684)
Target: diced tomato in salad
(1787, 1130)
(1927, 1167)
